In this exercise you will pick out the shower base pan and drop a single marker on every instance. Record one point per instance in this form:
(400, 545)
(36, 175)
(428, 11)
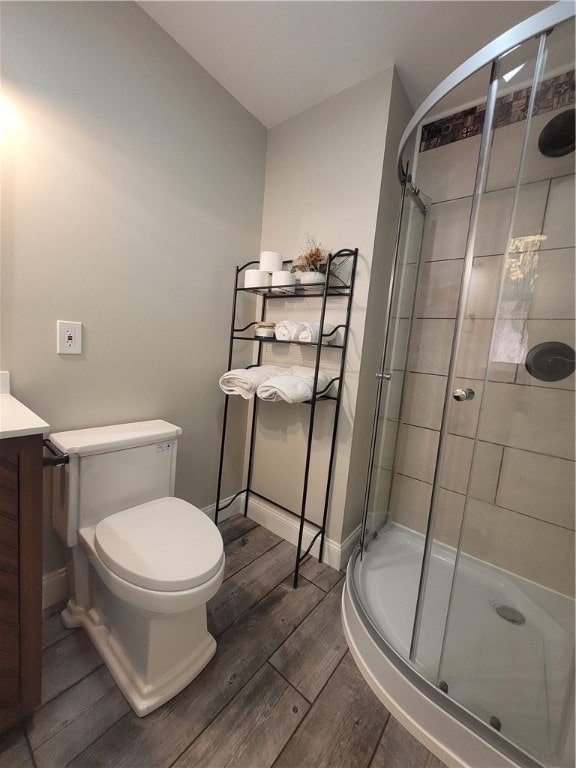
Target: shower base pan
(506, 653)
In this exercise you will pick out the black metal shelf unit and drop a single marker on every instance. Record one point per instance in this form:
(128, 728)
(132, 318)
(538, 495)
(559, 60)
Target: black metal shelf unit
(339, 263)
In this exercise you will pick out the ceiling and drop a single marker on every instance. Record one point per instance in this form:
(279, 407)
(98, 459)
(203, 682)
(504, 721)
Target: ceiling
(280, 57)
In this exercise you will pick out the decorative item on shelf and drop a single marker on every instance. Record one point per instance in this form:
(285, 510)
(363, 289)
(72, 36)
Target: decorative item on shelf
(311, 278)
(310, 266)
(264, 330)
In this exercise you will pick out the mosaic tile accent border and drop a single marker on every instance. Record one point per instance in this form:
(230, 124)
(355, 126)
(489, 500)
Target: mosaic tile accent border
(511, 108)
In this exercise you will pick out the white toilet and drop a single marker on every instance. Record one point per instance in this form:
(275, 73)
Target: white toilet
(143, 563)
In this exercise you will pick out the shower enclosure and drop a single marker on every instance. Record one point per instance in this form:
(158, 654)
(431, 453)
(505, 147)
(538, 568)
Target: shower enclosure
(463, 585)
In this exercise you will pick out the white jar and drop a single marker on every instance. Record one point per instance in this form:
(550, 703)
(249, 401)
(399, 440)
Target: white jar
(311, 278)
(264, 330)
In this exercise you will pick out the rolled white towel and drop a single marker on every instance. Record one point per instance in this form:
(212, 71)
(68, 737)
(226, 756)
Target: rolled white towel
(245, 381)
(285, 330)
(295, 385)
(309, 331)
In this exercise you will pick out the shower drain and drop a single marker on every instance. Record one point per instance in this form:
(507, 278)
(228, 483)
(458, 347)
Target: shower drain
(509, 613)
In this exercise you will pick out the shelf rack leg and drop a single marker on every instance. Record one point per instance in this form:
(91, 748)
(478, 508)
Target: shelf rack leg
(251, 456)
(227, 397)
(311, 423)
(221, 462)
(253, 427)
(354, 255)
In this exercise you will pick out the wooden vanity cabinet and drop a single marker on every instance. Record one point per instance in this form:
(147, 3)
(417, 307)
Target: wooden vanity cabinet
(20, 577)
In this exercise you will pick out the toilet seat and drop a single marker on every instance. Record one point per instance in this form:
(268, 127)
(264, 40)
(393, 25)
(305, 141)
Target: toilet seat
(166, 545)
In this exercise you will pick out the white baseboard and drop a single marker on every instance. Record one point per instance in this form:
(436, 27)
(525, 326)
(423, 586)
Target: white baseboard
(55, 588)
(236, 507)
(336, 554)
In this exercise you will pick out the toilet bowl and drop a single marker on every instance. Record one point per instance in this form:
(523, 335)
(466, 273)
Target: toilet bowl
(140, 575)
(164, 556)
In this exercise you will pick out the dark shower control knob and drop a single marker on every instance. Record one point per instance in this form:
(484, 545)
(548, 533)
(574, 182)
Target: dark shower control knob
(463, 394)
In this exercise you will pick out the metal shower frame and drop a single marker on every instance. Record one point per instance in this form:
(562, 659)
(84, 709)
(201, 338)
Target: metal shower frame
(533, 27)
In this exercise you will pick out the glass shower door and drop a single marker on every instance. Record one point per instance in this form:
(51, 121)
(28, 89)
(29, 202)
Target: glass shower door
(391, 376)
(504, 583)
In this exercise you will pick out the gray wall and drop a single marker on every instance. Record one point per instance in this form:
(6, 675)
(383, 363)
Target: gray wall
(132, 183)
(324, 176)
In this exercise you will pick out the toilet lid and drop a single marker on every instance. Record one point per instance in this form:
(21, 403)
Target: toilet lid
(165, 544)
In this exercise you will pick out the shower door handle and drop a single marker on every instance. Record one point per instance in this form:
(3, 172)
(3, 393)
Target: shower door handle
(463, 394)
(385, 376)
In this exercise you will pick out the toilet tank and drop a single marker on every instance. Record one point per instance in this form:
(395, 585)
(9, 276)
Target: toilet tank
(111, 469)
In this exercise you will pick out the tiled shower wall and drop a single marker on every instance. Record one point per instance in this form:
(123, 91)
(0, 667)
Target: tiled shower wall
(520, 514)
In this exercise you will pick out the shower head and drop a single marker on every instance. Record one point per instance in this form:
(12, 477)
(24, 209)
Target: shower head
(551, 361)
(557, 137)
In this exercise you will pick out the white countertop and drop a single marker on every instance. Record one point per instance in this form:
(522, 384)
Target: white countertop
(15, 419)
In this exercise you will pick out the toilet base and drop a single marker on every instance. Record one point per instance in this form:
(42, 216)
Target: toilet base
(148, 677)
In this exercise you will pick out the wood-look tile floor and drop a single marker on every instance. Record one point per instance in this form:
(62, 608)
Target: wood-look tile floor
(282, 689)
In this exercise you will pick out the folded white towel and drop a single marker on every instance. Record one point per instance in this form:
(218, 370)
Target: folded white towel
(245, 381)
(285, 330)
(295, 385)
(309, 331)
(290, 330)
